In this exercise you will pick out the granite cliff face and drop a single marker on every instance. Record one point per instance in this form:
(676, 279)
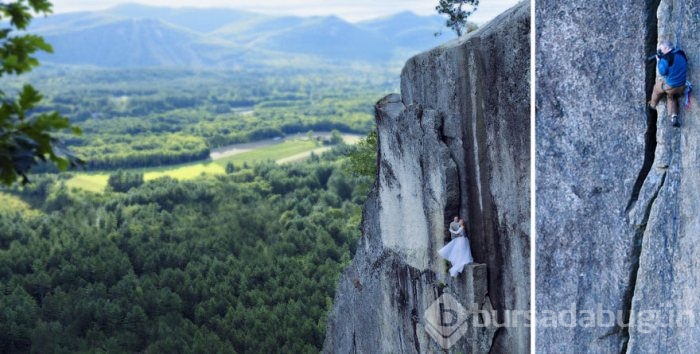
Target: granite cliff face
(617, 186)
(456, 141)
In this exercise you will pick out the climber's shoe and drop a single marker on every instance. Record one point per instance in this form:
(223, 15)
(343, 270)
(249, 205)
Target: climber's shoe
(674, 121)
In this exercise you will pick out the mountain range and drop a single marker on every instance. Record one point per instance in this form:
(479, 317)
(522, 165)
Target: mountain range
(136, 36)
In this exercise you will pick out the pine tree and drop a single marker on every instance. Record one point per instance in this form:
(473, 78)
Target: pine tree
(230, 168)
(458, 11)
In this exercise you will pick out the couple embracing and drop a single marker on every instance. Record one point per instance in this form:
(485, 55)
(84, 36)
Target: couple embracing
(457, 251)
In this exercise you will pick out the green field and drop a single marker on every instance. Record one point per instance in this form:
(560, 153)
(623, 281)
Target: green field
(10, 204)
(97, 181)
(273, 152)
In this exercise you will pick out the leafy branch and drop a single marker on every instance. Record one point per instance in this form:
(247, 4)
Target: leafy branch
(27, 138)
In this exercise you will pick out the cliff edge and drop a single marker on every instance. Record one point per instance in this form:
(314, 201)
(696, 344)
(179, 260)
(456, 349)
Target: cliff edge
(455, 142)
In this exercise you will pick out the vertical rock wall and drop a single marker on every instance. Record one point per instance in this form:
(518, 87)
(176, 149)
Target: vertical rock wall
(590, 128)
(617, 187)
(455, 142)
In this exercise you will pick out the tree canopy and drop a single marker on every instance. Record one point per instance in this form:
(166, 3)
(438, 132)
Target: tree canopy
(241, 263)
(458, 12)
(363, 157)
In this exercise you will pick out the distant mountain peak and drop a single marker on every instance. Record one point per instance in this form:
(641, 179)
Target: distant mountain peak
(137, 35)
(403, 14)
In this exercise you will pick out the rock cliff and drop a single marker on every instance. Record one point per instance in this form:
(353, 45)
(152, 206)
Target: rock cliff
(617, 186)
(456, 141)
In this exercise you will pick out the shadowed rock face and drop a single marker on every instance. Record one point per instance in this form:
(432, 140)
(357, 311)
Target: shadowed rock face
(455, 142)
(617, 187)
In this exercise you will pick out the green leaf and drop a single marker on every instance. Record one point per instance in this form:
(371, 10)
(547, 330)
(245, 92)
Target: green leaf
(41, 6)
(29, 97)
(10, 61)
(62, 164)
(19, 15)
(38, 43)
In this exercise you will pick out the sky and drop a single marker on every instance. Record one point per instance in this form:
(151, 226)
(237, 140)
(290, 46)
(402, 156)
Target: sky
(351, 10)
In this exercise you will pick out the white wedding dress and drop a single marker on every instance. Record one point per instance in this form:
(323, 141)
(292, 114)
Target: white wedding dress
(457, 252)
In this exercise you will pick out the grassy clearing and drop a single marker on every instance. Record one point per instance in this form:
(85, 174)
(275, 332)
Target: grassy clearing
(97, 181)
(90, 182)
(184, 172)
(273, 152)
(9, 204)
(303, 156)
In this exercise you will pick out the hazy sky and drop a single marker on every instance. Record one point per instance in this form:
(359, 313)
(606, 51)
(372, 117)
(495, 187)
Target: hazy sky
(352, 10)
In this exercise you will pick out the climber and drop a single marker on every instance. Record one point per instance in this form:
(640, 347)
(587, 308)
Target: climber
(672, 64)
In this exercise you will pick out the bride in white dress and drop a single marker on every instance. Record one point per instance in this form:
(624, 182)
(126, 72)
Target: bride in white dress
(457, 251)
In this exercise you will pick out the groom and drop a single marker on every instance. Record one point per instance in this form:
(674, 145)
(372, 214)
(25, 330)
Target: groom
(454, 226)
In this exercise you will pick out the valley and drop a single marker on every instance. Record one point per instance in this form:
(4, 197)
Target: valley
(220, 193)
(210, 200)
(280, 151)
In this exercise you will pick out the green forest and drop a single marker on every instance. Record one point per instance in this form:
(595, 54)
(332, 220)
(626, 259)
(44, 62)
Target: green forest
(246, 262)
(154, 117)
(155, 246)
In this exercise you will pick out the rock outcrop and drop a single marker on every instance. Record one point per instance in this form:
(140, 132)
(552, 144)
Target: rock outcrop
(455, 142)
(617, 186)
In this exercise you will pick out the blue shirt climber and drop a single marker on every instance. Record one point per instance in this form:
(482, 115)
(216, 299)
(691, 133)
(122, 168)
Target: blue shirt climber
(673, 66)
